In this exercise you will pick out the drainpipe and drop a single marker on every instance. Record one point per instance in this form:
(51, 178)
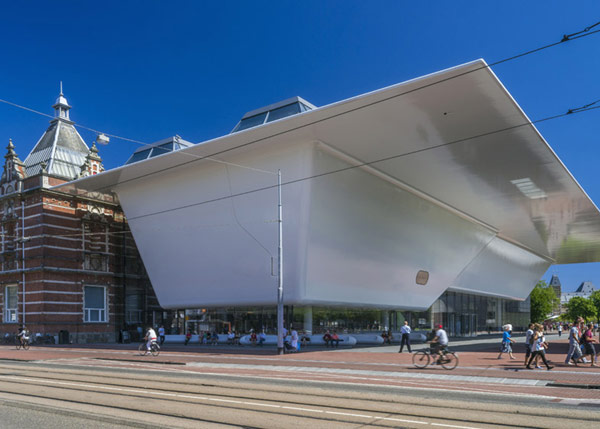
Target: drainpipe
(23, 254)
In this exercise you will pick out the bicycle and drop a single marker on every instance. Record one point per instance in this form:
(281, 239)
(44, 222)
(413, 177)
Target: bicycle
(424, 358)
(22, 343)
(154, 349)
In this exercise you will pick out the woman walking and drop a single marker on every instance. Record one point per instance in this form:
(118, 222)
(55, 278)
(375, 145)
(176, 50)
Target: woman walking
(538, 347)
(506, 346)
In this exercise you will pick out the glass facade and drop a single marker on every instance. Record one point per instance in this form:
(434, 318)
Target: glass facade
(462, 315)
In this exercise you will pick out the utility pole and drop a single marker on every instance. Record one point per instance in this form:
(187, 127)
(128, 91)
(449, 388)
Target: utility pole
(23, 239)
(280, 272)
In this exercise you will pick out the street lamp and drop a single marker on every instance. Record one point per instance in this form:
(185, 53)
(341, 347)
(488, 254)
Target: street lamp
(280, 271)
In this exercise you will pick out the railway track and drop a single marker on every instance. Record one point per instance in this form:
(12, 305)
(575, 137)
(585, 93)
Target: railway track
(136, 397)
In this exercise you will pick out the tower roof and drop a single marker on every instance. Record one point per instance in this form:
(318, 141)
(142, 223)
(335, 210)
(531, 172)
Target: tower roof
(61, 147)
(555, 281)
(586, 287)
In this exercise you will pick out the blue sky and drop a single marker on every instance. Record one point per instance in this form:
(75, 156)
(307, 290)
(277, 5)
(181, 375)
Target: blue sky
(147, 70)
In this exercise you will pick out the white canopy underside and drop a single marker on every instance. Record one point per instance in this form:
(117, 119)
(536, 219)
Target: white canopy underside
(449, 177)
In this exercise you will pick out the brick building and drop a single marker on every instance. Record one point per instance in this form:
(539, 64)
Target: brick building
(68, 263)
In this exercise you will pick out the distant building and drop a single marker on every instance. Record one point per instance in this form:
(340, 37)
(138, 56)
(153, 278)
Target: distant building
(555, 284)
(68, 264)
(584, 290)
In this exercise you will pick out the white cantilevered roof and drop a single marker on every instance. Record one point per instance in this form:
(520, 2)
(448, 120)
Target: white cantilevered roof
(456, 137)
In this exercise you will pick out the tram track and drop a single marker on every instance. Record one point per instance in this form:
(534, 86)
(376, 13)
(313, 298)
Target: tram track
(176, 399)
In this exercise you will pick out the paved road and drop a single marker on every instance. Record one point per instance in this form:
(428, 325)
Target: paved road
(252, 387)
(130, 397)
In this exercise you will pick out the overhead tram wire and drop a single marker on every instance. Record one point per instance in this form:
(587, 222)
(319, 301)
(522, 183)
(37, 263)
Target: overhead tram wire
(208, 157)
(580, 34)
(364, 164)
(583, 33)
(585, 108)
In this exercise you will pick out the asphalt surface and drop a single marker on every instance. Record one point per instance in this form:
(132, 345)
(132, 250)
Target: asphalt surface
(479, 372)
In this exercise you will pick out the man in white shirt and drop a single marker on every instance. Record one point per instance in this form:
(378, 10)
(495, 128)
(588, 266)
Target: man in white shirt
(440, 342)
(574, 346)
(150, 336)
(405, 331)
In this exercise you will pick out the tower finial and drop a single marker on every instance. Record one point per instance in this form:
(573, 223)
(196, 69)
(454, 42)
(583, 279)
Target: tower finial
(61, 93)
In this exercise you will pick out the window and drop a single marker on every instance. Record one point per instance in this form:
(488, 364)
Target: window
(10, 304)
(162, 149)
(252, 121)
(138, 156)
(133, 306)
(94, 303)
(283, 112)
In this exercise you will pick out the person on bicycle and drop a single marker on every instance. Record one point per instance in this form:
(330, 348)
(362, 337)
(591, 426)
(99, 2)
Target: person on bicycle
(22, 335)
(439, 344)
(150, 337)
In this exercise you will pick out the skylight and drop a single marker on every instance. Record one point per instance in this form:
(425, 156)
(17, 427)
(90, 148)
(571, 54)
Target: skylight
(528, 188)
(159, 148)
(273, 112)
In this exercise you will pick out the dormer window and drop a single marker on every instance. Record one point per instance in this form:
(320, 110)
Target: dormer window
(273, 112)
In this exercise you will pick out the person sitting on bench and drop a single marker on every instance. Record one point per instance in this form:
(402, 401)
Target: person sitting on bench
(335, 340)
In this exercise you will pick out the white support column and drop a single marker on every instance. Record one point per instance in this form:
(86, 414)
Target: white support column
(308, 319)
(385, 319)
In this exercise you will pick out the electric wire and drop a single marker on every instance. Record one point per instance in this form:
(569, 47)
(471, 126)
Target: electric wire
(136, 141)
(585, 108)
(580, 34)
(363, 164)
(487, 66)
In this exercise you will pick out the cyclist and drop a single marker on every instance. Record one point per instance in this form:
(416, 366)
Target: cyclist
(150, 337)
(22, 335)
(439, 344)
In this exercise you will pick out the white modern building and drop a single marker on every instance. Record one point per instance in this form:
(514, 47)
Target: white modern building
(390, 199)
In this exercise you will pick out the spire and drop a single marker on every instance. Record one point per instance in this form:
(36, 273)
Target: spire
(93, 163)
(61, 107)
(14, 169)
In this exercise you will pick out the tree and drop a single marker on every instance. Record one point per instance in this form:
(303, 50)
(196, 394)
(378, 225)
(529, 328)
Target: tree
(578, 306)
(595, 298)
(542, 300)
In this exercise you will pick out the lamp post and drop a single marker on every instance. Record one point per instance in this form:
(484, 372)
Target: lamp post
(279, 271)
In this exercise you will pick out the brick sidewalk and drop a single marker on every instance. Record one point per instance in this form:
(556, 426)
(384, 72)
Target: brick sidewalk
(478, 370)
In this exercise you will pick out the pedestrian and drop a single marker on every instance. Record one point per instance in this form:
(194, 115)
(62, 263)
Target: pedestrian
(161, 334)
(506, 345)
(574, 348)
(538, 347)
(294, 339)
(405, 340)
(588, 340)
(559, 328)
(528, 341)
(188, 337)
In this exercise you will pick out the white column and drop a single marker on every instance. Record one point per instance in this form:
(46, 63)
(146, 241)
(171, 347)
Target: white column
(385, 318)
(308, 314)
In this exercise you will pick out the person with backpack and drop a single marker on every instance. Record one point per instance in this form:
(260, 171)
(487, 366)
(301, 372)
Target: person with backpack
(528, 341)
(574, 347)
(588, 340)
